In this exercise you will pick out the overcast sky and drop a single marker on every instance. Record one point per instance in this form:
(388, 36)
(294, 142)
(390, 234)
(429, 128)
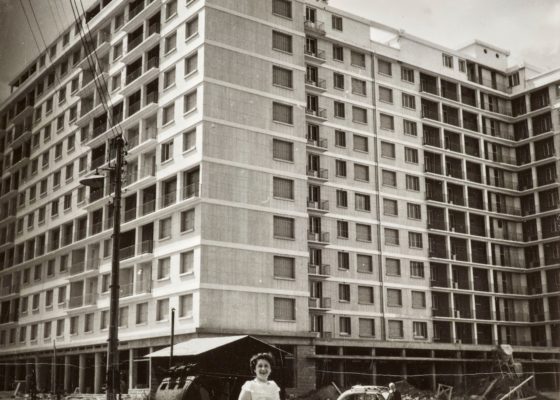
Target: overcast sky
(530, 29)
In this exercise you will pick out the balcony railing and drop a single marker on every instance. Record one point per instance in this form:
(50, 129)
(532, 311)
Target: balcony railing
(322, 237)
(321, 173)
(318, 83)
(190, 191)
(321, 143)
(318, 205)
(147, 247)
(319, 112)
(316, 53)
(315, 26)
(127, 252)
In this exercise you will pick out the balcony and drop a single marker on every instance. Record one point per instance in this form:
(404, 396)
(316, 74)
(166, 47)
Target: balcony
(314, 54)
(442, 312)
(315, 27)
(316, 84)
(82, 301)
(318, 114)
(137, 78)
(320, 303)
(168, 198)
(146, 247)
(190, 191)
(127, 252)
(322, 270)
(318, 237)
(140, 13)
(321, 205)
(321, 174)
(317, 144)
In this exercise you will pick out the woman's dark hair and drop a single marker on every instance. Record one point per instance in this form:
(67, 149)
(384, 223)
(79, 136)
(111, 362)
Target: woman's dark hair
(260, 356)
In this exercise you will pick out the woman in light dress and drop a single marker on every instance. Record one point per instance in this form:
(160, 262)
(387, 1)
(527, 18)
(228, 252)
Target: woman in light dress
(260, 388)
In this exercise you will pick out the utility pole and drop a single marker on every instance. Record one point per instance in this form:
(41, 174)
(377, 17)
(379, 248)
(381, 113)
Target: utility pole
(172, 337)
(113, 378)
(96, 182)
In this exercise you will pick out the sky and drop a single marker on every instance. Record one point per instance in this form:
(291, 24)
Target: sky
(530, 29)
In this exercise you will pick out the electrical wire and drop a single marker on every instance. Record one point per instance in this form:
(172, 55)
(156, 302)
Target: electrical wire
(29, 23)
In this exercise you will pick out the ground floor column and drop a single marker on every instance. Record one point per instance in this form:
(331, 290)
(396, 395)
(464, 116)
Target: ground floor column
(305, 368)
(67, 373)
(38, 374)
(373, 368)
(98, 372)
(82, 372)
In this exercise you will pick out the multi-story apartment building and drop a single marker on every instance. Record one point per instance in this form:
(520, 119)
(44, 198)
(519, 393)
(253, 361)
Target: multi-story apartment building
(376, 204)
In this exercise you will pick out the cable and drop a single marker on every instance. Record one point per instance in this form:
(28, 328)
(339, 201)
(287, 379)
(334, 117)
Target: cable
(104, 89)
(29, 23)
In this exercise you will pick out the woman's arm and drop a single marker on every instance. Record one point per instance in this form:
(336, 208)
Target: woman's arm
(244, 395)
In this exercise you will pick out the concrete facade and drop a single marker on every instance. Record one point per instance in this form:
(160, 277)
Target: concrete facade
(378, 205)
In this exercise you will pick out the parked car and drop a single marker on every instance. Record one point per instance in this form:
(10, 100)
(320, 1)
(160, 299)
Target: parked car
(362, 392)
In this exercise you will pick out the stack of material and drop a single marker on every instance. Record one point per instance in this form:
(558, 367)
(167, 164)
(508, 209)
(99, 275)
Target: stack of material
(410, 392)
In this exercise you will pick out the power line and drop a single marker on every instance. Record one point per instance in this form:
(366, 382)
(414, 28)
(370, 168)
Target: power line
(30, 27)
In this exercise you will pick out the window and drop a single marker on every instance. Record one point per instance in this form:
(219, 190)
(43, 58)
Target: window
(390, 207)
(282, 150)
(60, 123)
(514, 79)
(419, 330)
(165, 228)
(169, 78)
(447, 60)
(189, 102)
(362, 202)
(282, 8)
(417, 269)
(166, 151)
(282, 77)
(54, 208)
(462, 66)
(170, 9)
(389, 178)
(363, 233)
(339, 110)
(418, 299)
(414, 211)
(387, 150)
(168, 114)
(338, 52)
(340, 138)
(163, 268)
(345, 326)
(60, 327)
(284, 267)
(386, 122)
(407, 74)
(395, 329)
(191, 28)
(162, 310)
(282, 113)
(119, 21)
(385, 94)
(342, 229)
(186, 306)
(189, 140)
(357, 59)
(408, 101)
(412, 183)
(74, 325)
(341, 198)
(366, 327)
(141, 313)
(364, 263)
(187, 263)
(33, 333)
(394, 298)
(191, 64)
(23, 333)
(104, 319)
(187, 221)
(67, 201)
(415, 240)
(343, 260)
(116, 82)
(117, 51)
(281, 42)
(361, 172)
(365, 295)
(359, 115)
(337, 23)
(284, 227)
(343, 292)
(88, 322)
(170, 43)
(358, 87)
(284, 309)
(384, 67)
(411, 155)
(283, 188)
(123, 317)
(391, 237)
(338, 81)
